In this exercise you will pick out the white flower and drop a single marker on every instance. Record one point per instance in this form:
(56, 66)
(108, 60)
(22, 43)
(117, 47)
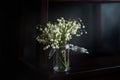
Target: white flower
(51, 39)
(83, 26)
(57, 34)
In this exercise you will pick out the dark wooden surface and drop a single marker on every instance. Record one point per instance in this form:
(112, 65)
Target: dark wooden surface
(90, 68)
(82, 67)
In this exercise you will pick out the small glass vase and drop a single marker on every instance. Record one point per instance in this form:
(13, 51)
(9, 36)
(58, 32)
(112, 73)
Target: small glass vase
(61, 60)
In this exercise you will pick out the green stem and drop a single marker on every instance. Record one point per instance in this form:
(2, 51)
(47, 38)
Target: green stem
(62, 60)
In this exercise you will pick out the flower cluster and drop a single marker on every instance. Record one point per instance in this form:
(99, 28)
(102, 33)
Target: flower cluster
(57, 34)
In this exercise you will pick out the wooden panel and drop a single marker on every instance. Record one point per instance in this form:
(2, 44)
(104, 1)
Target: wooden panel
(102, 68)
(44, 11)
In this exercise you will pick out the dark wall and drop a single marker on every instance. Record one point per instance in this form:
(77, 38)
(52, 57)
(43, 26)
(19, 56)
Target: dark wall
(110, 27)
(10, 25)
(31, 16)
(101, 21)
(9, 36)
(85, 11)
(19, 18)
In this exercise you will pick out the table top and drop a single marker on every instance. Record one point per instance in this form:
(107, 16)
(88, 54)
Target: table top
(89, 65)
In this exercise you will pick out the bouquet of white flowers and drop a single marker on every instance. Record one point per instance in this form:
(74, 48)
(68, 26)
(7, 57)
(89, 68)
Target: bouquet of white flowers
(57, 34)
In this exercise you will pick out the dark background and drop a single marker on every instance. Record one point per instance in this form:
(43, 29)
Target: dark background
(19, 17)
(101, 21)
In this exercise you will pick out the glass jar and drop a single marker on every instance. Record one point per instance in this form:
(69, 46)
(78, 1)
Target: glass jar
(61, 62)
